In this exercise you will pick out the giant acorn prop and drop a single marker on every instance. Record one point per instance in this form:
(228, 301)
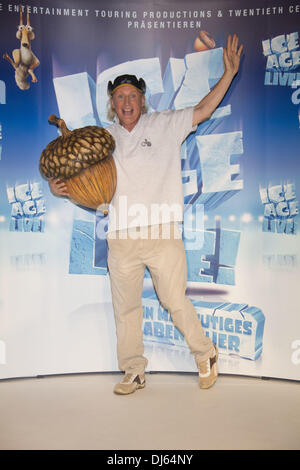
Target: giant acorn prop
(82, 158)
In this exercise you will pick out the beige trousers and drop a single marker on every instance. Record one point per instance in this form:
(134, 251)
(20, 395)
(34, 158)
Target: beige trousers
(166, 261)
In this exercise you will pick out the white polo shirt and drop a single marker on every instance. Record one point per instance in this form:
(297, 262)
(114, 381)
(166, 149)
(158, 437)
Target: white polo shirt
(149, 183)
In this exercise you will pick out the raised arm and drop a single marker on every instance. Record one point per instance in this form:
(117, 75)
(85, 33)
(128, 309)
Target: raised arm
(232, 54)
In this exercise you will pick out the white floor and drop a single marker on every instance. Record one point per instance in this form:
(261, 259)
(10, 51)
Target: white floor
(81, 412)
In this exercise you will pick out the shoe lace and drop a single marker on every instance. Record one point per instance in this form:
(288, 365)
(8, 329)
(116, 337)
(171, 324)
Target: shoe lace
(128, 379)
(204, 367)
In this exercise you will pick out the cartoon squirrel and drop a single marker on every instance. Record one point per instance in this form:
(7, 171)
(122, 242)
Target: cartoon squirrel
(24, 61)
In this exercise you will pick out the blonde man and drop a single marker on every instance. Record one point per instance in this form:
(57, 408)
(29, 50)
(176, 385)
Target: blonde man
(147, 158)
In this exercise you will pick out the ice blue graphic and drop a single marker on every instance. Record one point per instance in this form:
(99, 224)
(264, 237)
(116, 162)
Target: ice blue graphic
(209, 177)
(76, 99)
(82, 254)
(192, 88)
(172, 81)
(280, 208)
(218, 176)
(235, 328)
(28, 261)
(2, 92)
(281, 52)
(27, 207)
(214, 261)
(0, 140)
(283, 62)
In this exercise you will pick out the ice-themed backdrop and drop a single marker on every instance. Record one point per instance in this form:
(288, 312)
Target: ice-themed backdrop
(240, 172)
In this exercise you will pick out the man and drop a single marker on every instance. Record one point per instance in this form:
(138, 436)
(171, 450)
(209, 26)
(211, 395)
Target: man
(148, 166)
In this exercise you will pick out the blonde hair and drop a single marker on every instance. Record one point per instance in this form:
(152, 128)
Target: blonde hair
(111, 114)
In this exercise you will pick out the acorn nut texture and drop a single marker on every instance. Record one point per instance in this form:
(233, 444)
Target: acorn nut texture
(82, 158)
(75, 150)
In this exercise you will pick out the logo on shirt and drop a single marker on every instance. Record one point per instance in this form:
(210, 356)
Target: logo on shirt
(146, 143)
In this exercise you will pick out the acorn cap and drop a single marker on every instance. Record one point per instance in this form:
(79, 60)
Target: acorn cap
(75, 150)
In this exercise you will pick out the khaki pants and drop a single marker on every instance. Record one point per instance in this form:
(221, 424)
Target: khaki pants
(166, 261)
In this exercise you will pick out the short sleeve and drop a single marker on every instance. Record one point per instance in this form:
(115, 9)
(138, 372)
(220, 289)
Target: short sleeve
(182, 123)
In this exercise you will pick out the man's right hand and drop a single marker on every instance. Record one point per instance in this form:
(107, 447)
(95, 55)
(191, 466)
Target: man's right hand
(58, 187)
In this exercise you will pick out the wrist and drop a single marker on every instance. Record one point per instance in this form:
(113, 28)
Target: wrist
(228, 76)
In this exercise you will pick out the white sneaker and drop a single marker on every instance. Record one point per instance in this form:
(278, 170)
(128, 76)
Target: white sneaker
(208, 370)
(130, 383)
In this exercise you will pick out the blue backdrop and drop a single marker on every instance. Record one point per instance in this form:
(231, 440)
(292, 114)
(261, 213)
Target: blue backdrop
(240, 174)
